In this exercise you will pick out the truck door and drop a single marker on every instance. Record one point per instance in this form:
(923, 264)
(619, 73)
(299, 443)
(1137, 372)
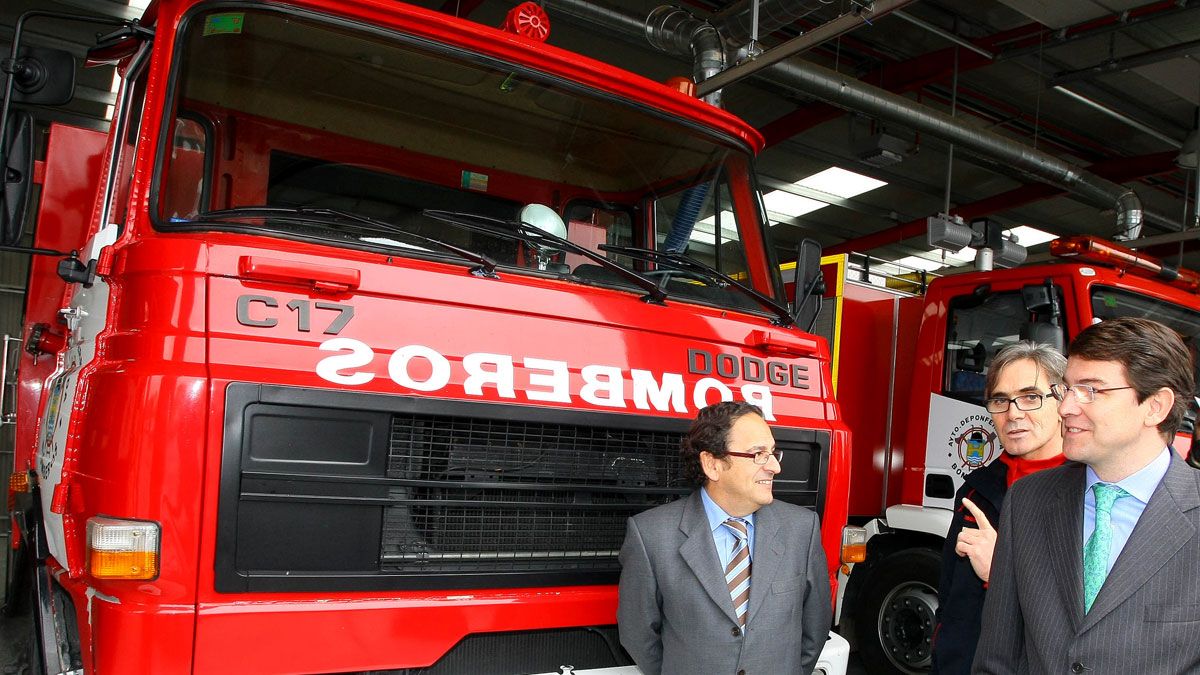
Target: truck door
(961, 437)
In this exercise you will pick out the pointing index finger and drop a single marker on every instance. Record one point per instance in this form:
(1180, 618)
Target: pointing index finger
(981, 520)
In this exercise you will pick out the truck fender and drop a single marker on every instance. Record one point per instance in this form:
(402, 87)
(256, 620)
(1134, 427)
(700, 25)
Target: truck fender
(919, 519)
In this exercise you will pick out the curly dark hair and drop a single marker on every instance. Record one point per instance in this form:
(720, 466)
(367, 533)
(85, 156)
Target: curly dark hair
(710, 433)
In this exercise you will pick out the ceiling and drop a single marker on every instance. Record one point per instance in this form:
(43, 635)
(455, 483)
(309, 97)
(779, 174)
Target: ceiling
(1108, 86)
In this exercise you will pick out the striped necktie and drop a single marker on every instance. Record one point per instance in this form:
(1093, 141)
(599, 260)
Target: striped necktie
(737, 572)
(1099, 545)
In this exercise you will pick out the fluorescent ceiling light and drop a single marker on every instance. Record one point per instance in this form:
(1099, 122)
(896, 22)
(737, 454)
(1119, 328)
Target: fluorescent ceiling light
(790, 205)
(1029, 236)
(840, 182)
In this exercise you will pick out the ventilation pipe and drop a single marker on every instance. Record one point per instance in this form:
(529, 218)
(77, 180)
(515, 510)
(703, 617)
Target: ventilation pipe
(857, 96)
(676, 31)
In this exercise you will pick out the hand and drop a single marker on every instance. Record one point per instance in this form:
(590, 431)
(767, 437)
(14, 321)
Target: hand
(977, 543)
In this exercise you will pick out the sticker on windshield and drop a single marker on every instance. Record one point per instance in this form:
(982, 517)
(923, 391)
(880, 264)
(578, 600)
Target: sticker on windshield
(224, 24)
(475, 181)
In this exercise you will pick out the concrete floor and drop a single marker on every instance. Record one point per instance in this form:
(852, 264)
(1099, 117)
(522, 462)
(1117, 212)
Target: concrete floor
(14, 640)
(14, 635)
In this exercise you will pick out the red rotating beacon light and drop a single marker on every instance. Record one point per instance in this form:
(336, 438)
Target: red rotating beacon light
(528, 19)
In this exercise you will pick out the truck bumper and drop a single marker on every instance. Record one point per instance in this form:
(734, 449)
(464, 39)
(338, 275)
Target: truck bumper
(834, 660)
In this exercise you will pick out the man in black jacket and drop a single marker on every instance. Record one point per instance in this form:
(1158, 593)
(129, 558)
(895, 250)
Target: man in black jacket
(1026, 418)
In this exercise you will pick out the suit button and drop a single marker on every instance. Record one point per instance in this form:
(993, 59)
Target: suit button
(1077, 667)
(741, 672)
(737, 632)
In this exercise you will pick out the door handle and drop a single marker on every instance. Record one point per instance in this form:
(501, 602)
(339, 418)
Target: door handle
(320, 278)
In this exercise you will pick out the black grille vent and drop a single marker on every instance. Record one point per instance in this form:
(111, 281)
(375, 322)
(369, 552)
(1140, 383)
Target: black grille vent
(519, 495)
(332, 491)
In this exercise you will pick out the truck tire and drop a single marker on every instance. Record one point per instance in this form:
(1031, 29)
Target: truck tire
(895, 620)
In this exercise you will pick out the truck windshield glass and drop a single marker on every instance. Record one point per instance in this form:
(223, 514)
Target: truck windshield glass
(979, 326)
(1112, 303)
(290, 111)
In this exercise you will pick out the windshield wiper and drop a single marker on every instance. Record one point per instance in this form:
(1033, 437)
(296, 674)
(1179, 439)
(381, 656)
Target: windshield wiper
(694, 267)
(511, 229)
(484, 266)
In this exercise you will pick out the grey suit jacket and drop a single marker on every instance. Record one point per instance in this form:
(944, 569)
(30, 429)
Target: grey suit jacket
(1146, 618)
(675, 615)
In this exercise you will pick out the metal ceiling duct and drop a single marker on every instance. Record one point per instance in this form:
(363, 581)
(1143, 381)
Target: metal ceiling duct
(851, 94)
(676, 31)
(672, 32)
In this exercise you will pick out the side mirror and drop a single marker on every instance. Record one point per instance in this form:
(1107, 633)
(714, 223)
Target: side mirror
(43, 76)
(1039, 299)
(809, 284)
(1042, 300)
(18, 177)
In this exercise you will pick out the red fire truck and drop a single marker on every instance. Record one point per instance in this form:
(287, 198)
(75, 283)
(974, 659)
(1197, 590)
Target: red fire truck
(909, 365)
(356, 340)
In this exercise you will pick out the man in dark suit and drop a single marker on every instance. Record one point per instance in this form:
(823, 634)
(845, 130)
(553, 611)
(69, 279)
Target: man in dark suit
(726, 581)
(1026, 418)
(1095, 565)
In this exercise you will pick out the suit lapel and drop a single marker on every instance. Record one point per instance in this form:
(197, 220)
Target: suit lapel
(1065, 536)
(1159, 534)
(765, 558)
(700, 553)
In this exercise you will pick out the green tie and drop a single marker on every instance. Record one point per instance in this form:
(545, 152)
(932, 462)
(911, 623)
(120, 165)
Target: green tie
(1096, 551)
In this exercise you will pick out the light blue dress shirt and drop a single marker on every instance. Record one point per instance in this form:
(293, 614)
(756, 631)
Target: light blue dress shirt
(1127, 510)
(723, 538)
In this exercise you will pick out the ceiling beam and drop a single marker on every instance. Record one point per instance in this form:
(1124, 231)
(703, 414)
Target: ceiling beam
(1117, 21)
(1126, 62)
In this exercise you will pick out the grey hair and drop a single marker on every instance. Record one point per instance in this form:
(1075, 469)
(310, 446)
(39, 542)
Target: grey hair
(1046, 358)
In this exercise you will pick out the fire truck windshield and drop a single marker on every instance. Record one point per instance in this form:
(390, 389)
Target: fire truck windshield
(274, 110)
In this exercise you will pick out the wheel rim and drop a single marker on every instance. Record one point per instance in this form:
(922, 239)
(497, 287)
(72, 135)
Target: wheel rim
(906, 621)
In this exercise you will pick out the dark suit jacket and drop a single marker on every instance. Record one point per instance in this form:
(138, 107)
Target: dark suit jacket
(960, 590)
(675, 615)
(1146, 618)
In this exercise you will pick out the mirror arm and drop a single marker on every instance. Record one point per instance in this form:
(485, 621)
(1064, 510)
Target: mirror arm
(74, 271)
(38, 251)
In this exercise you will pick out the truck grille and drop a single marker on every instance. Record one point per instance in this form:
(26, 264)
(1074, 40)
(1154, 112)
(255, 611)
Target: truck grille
(508, 495)
(326, 490)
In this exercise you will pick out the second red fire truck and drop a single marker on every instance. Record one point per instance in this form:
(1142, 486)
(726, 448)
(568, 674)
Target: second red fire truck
(909, 365)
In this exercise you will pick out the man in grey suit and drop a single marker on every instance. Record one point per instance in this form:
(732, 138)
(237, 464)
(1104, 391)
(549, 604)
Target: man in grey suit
(1095, 566)
(726, 581)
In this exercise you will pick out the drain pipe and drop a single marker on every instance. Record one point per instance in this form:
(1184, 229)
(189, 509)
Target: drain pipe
(676, 31)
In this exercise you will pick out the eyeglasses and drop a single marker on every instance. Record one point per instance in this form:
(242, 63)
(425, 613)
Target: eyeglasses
(1026, 402)
(761, 457)
(1083, 393)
